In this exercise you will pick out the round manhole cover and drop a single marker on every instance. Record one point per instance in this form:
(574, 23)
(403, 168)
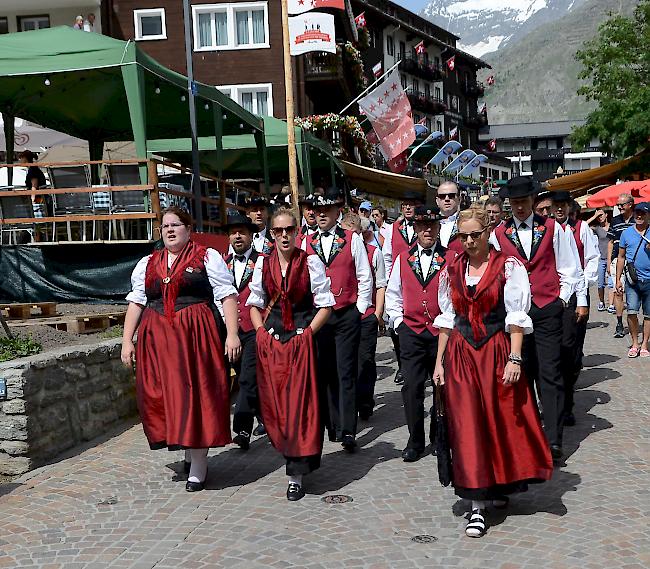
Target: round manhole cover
(424, 539)
(337, 499)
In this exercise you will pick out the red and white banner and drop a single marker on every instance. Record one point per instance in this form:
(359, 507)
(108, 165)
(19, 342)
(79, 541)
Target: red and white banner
(419, 48)
(453, 133)
(313, 31)
(360, 20)
(492, 145)
(398, 164)
(451, 63)
(302, 6)
(389, 111)
(377, 70)
(490, 80)
(483, 109)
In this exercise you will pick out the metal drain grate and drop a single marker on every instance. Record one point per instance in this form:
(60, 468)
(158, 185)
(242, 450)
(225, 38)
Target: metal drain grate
(424, 539)
(337, 499)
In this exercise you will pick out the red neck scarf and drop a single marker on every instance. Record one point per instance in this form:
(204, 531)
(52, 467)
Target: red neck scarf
(473, 307)
(290, 289)
(192, 255)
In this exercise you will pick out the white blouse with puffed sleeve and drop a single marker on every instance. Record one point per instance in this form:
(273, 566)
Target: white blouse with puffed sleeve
(516, 297)
(320, 284)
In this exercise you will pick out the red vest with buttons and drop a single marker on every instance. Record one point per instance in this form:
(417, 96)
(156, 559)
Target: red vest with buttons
(399, 243)
(575, 229)
(371, 309)
(340, 267)
(542, 272)
(243, 311)
(420, 294)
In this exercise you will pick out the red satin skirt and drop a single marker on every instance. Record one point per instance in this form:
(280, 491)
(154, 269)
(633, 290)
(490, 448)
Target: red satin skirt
(182, 392)
(288, 393)
(497, 442)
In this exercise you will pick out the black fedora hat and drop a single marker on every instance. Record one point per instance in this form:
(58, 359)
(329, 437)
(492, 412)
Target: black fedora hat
(256, 200)
(236, 219)
(308, 200)
(332, 197)
(561, 196)
(519, 187)
(413, 197)
(427, 213)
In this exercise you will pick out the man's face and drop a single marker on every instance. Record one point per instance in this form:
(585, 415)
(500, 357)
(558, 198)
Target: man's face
(626, 206)
(326, 216)
(377, 217)
(561, 211)
(408, 208)
(427, 232)
(495, 213)
(240, 238)
(544, 207)
(522, 207)
(447, 199)
(309, 214)
(640, 218)
(365, 213)
(258, 215)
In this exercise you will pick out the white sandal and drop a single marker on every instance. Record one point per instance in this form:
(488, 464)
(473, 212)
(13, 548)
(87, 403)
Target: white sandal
(476, 526)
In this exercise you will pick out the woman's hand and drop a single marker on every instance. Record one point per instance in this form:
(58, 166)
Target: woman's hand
(439, 374)
(128, 353)
(511, 373)
(233, 347)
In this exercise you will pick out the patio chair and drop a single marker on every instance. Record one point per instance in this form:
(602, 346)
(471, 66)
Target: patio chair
(14, 208)
(72, 204)
(135, 201)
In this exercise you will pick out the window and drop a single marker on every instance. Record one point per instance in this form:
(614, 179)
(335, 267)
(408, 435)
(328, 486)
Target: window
(29, 23)
(436, 61)
(427, 123)
(402, 50)
(416, 118)
(484, 172)
(454, 103)
(244, 25)
(404, 81)
(438, 94)
(439, 126)
(257, 99)
(150, 24)
(427, 90)
(390, 45)
(416, 86)
(4, 26)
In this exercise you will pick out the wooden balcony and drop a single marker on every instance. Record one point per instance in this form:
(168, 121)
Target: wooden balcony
(419, 68)
(426, 103)
(473, 89)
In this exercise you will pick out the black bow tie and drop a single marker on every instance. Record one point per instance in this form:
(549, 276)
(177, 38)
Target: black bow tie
(325, 234)
(240, 258)
(408, 223)
(312, 227)
(523, 225)
(428, 252)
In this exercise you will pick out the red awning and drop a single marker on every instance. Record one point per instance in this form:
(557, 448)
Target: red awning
(608, 196)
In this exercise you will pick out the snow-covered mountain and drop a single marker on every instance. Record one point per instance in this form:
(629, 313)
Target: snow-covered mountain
(487, 25)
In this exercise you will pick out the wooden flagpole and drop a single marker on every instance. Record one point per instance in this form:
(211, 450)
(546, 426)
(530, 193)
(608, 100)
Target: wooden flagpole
(288, 87)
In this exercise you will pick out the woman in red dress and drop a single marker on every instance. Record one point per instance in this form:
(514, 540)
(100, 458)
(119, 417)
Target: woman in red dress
(290, 300)
(182, 390)
(497, 443)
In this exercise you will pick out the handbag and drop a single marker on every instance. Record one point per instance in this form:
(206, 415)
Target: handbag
(443, 451)
(629, 269)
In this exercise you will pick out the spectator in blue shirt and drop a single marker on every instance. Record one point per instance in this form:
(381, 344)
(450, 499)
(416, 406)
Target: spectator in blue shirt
(634, 249)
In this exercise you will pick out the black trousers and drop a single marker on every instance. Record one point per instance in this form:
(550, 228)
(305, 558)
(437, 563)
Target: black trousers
(247, 406)
(542, 354)
(338, 348)
(572, 358)
(418, 360)
(398, 353)
(367, 365)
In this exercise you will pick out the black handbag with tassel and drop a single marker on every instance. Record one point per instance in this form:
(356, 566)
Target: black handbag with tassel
(443, 452)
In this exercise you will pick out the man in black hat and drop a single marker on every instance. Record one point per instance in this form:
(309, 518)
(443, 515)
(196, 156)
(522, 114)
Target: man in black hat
(257, 208)
(544, 248)
(346, 263)
(241, 263)
(309, 225)
(412, 306)
(576, 314)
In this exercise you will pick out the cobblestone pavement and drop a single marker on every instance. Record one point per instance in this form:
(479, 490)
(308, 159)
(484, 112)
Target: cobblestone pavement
(117, 504)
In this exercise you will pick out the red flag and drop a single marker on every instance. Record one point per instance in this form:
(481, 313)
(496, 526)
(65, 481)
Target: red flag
(398, 164)
(340, 4)
(483, 109)
(490, 80)
(451, 63)
(377, 70)
(389, 111)
(453, 133)
(492, 145)
(419, 48)
(360, 20)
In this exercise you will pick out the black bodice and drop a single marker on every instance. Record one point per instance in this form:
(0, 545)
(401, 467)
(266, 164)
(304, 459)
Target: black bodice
(493, 322)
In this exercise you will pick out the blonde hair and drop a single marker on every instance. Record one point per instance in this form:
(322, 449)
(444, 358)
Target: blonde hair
(477, 213)
(284, 211)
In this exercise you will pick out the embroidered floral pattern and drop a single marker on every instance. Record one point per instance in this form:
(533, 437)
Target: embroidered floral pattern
(337, 246)
(403, 232)
(511, 233)
(437, 263)
(267, 247)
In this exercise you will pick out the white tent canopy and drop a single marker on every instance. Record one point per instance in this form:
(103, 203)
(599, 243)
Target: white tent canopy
(30, 136)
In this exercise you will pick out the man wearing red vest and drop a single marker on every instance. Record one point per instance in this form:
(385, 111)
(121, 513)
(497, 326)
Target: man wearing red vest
(412, 306)
(576, 314)
(241, 263)
(346, 262)
(544, 248)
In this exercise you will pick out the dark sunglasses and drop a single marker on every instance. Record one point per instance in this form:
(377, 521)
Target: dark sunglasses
(474, 235)
(450, 196)
(278, 231)
(624, 204)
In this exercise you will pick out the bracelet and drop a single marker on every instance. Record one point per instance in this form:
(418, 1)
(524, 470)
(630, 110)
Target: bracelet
(515, 359)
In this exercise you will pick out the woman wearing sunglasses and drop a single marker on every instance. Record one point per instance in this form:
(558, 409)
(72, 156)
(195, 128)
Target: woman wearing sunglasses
(290, 300)
(496, 438)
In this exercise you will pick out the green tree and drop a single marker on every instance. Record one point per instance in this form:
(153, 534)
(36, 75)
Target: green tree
(616, 64)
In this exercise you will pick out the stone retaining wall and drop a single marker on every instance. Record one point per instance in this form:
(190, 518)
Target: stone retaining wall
(59, 399)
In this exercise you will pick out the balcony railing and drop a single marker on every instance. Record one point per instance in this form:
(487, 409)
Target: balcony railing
(473, 89)
(319, 65)
(426, 103)
(476, 121)
(420, 68)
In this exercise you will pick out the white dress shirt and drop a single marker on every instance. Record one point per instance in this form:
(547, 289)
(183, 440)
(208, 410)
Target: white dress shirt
(565, 264)
(240, 266)
(387, 249)
(259, 238)
(447, 225)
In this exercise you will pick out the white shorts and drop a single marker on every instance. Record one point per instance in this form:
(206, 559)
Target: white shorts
(612, 272)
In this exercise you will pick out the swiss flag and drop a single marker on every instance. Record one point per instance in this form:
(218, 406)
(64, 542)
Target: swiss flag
(301, 6)
(451, 63)
(399, 163)
(453, 133)
(389, 112)
(419, 48)
(490, 80)
(492, 145)
(360, 20)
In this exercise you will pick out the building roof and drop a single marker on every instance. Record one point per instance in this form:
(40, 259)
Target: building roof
(529, 130)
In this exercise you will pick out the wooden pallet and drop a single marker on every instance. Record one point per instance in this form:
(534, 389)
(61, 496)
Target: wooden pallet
(23, 310)
(83, 324)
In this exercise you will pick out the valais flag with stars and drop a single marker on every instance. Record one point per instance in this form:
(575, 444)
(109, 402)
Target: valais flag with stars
(389, 112)
(301, 6)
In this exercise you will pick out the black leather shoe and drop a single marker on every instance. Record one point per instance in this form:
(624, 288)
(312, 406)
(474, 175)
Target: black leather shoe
(242, 440)
(620, 331)
(295, 492)
(569, 420)
(556, 452)
(194, 486)
(348, 443)
(399, 378)
(260, 429)
(411, 455)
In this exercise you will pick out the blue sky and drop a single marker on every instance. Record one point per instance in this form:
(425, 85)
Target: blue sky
(413, 5)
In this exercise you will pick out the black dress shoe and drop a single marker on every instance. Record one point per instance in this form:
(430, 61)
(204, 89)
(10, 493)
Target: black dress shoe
(411, 455)
(569, 420)
(243, 440)
(260, 429)
(348, 443)
(295, 492)
(399, 378)
(194, 486)
(365, 412)
(556, 452)
(620, 331)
